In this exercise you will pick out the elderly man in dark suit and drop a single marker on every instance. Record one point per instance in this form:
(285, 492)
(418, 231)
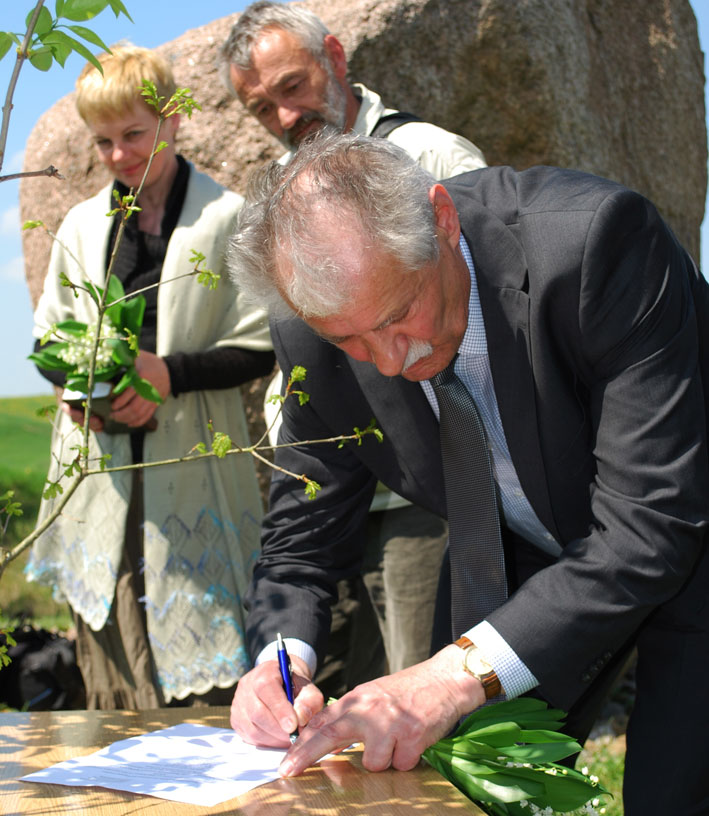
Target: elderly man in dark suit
(579, 326)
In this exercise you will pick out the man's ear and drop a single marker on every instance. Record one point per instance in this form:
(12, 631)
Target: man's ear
(445, 213)
(336, 55)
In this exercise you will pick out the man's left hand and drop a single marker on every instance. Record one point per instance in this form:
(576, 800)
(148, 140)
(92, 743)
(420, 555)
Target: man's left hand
(396, 717)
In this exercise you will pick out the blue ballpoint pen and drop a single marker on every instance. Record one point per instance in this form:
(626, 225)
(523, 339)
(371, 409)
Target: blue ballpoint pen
(286, 675)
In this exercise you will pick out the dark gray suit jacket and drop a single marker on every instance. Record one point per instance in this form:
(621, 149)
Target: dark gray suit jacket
(596, 322)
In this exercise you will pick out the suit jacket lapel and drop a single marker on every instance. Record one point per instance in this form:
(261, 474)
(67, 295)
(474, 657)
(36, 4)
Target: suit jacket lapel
(505, 306)
(410, 426)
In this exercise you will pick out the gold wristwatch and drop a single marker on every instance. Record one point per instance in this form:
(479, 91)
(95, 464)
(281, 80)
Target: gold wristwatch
(475, 664)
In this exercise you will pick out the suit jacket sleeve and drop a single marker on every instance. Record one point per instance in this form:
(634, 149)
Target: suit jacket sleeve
(623, 328)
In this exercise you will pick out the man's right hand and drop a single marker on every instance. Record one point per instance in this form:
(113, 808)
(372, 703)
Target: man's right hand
(260, 711)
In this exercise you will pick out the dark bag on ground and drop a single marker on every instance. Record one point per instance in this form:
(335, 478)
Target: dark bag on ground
(43, 675)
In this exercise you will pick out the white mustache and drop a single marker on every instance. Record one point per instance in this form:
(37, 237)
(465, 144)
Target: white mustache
(417, 350)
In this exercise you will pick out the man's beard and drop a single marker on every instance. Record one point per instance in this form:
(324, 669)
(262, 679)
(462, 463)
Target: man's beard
(332, 115)
(418, 349)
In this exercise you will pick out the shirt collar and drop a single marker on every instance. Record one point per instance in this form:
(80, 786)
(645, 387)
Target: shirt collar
(474, 340)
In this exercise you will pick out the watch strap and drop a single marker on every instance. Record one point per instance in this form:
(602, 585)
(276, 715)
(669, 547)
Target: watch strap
(490, 681)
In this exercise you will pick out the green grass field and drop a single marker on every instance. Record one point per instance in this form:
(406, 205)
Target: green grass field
(24, 457)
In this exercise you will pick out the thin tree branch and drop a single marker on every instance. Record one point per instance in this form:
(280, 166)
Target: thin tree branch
(21, 57)
(50, 171)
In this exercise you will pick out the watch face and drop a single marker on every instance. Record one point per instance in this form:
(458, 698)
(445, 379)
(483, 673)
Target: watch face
(476, 664)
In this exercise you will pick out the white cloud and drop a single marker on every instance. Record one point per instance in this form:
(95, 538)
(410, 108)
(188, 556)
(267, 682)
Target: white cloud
(10, 221)
(13, 269)
(14, 163)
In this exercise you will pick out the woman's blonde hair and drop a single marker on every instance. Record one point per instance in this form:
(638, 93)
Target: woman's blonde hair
(116, 91)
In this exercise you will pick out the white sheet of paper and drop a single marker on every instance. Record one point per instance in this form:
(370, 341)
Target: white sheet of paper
(196, 764)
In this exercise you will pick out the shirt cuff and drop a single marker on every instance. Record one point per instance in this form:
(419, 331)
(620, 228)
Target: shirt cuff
(514, 676)
(294, 647)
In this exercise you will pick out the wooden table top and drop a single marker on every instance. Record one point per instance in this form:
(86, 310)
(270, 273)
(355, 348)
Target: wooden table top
(337, 787)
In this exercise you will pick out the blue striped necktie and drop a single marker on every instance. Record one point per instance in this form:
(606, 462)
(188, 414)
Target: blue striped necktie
(477, 563)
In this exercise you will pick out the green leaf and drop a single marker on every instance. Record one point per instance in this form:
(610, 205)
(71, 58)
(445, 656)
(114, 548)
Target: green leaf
(78, 382)
(181, 102)
(297, 374)
(42, 58)
(95, 292)
(12, 508)
(149, 92)
(44, 20)
(89, 35)
(119, 8)
(49, 358)
(523, 710)
(541, 735)
(208, 279)
(80, 48)
(115, 289)
(148, 391)
(540, 753)
(53, 490)
(132, 314)
(47, 411)
(5, 43)
(564, 789)
(60, 51)
(114, 315)
(73, 327)
(120, 352)
(107, 373)
(47, 336)
(469, 749)
(496, 734)
(28, 225)
(125, 381)
(221, 444)
(81, 10)
(71, 468)
(58, 7)
(132, 340)
(64, 280)
(311, 489)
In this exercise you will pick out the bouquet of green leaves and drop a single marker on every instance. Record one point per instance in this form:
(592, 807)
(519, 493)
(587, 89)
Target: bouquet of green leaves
(505, 758)
(117, 347)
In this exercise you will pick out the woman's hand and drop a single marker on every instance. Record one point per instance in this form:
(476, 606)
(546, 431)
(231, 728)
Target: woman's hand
(132, 409)
(77, 416)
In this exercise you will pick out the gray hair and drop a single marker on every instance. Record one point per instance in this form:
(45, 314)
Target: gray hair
(236, 50)
(368, 188)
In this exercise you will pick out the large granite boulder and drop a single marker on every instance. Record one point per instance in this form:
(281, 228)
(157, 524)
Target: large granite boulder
(613, 88)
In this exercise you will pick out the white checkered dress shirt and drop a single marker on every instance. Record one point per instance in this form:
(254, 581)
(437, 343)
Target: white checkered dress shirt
(473, 368)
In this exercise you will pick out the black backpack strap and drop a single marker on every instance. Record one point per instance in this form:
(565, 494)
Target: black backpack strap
(392, 121)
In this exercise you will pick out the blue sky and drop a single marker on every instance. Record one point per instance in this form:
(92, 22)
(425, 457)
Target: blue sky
(155, 22)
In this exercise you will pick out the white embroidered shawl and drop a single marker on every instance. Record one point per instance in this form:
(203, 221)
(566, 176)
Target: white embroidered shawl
(202, 520)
